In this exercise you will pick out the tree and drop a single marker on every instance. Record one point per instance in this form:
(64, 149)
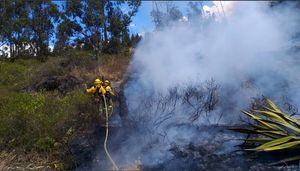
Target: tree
(44, 13)
(163, 18)
(135, 39)
(92, 24)
(27, 25)
(65, 30)
(173, 13)
(106, 25)
(14, 28)
(111, 9)
(6, 12)
(69, 24)
(195, 10)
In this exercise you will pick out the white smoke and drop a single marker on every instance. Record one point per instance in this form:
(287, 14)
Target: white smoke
(220, 9)
(252, 43)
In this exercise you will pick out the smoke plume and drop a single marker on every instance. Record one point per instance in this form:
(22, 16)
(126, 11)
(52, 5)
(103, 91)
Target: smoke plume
(248, 53)
(251, 45)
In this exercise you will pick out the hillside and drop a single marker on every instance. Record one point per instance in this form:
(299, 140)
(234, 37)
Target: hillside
(204, 85)
(46, 114)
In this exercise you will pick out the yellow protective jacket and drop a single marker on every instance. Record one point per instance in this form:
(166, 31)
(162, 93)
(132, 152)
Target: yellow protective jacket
(93, 90)
(109, 90)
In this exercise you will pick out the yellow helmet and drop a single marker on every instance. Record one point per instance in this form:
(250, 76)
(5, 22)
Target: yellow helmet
(106, 82)
(98, 81)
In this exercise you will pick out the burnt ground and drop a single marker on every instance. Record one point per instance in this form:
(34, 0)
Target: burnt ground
(214, 149)
(217, 152)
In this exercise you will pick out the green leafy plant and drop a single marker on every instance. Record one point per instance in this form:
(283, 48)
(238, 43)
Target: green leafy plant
(44, 144)
(35, 120)
(271, 130)
(14, 74)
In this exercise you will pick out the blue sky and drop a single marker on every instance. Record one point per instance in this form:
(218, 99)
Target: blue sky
(142, 21)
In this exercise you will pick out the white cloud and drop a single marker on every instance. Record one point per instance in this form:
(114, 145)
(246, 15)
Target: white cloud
(206, 8)
(184, 19)
(220, 9)
(51, 48)
(132, 25)
(142, 34)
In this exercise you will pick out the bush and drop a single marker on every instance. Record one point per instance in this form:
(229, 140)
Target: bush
(63, 65)
(28, 121)
(272, 130)
(36, 121)
(20, 119)
(16, 74)
(44, 144)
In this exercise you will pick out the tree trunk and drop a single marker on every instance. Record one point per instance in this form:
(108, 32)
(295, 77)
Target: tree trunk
(105, 32)
(11, 50)
(103, 20)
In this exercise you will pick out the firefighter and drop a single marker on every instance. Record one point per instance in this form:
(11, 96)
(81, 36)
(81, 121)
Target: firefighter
(109, 94)
(98, 91)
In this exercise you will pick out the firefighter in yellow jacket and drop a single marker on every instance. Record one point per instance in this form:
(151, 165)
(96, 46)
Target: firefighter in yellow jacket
(98, 91)
(109, 94)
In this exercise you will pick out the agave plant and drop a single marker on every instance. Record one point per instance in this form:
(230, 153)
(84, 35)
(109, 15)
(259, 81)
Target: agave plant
(272, 129)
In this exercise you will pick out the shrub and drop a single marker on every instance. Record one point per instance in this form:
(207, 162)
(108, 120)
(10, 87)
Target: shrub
(272, 131)
(16, 74)
(20, 118)
(29, 120)
(44, 144)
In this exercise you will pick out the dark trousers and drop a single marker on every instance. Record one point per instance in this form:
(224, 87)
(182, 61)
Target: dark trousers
(99, 104)
(109, 99)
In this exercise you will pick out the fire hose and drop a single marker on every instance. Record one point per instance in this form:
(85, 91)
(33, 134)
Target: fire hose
(115, 167)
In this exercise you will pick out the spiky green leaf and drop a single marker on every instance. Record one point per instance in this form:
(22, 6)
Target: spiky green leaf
(275, 142)
(272, 105)
(286, 160)
(287, 145)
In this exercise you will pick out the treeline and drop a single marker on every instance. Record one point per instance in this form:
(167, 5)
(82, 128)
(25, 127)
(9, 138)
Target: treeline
(28, 27)
(164, 13)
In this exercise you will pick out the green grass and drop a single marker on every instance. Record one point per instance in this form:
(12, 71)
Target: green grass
(29, 120)
(35, 121)
(44, 122)
(15, 75)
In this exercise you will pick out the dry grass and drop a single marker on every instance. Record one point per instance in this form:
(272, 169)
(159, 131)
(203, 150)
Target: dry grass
(79, 64)
(112, 67)
(11, 161)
